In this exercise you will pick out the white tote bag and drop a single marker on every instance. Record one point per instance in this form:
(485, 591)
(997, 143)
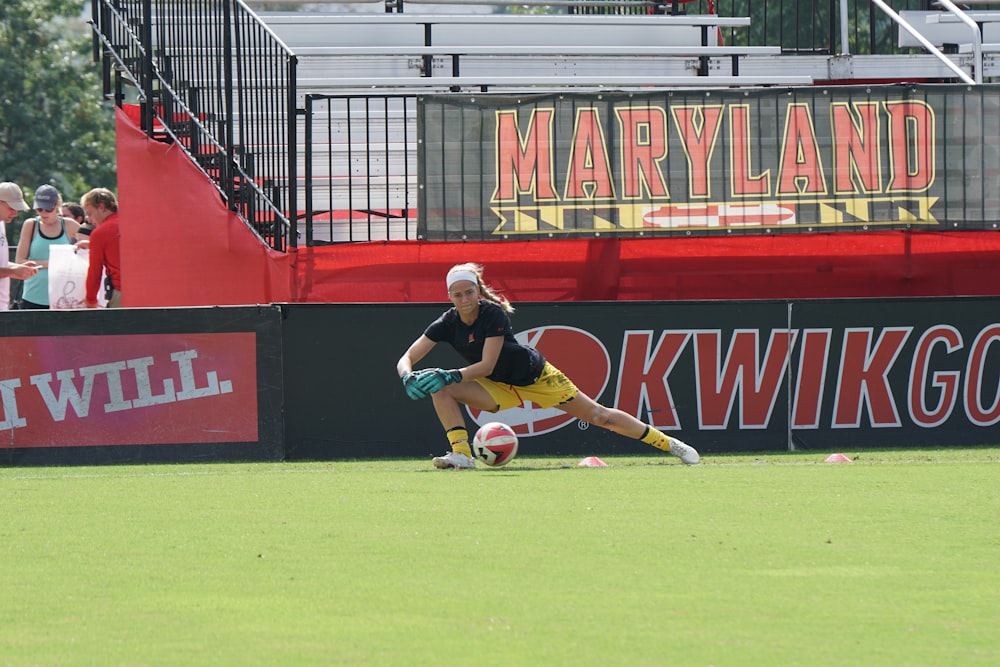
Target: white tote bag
(68, 278)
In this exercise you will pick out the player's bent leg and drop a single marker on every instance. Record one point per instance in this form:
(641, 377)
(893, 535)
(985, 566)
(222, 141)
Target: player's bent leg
(466, 393)
(448, 405)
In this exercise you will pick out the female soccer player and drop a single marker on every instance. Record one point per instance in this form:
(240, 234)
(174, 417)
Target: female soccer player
(501, 373)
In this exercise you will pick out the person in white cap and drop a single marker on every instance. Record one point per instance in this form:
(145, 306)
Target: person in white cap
(502, 373)
(11, 203)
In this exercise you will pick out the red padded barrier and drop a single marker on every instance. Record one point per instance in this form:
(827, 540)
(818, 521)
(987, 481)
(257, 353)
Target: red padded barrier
(181, 246)
(843, 264)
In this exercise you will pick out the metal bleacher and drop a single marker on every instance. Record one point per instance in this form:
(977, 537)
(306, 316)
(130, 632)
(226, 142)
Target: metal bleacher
(339, 51)
(454, 52)
(363, 185)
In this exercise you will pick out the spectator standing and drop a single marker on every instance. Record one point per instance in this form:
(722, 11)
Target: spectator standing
(37, 236)
(101, 208)
(11, 203)
(73, 210)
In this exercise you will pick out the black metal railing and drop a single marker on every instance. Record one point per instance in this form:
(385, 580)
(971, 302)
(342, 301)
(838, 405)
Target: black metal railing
(360, 168)
(212, 77)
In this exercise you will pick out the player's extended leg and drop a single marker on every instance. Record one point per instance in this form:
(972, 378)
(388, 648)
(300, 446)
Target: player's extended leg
(448, 405)
(587, 409)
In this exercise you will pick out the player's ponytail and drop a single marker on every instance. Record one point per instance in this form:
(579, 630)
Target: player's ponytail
(485, 290)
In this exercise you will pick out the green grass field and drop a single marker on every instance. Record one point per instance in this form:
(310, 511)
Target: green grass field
(772, 560)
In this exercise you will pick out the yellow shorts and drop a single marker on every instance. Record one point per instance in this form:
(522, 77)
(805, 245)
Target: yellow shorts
(552, 388)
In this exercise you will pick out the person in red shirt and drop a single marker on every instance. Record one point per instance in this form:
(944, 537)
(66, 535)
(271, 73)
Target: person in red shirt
(101, 208)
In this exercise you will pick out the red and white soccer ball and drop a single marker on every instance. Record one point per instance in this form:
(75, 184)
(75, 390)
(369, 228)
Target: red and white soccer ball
(495, 444)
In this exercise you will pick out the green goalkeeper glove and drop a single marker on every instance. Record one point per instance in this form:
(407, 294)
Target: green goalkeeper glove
(411, 382)
(434, 380)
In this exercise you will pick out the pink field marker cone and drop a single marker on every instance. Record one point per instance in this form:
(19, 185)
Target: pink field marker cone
(592, 462)
(838, 458)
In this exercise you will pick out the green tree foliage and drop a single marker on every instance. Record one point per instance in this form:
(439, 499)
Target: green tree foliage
(55, 126)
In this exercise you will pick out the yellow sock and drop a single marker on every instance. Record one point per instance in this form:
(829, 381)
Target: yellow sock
(656, 439)
(459, 439)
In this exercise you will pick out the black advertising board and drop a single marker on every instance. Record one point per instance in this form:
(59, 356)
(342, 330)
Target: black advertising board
(724, 376)
(318, 381)
(898, 373)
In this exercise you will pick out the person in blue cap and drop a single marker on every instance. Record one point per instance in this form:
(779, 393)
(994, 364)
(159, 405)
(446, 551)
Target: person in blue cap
(38, 235)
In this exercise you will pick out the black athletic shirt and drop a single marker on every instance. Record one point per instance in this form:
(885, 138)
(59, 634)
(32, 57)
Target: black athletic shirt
(518, 364)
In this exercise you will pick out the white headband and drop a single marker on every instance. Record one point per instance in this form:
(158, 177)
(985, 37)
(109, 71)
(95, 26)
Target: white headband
(462, 275)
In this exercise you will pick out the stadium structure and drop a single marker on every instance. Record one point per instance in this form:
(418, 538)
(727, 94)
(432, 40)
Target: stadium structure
(582, 149)
(756, 225)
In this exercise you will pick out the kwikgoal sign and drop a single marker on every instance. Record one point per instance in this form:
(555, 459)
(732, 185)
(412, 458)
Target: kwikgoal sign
(709, 162)
(729, 376)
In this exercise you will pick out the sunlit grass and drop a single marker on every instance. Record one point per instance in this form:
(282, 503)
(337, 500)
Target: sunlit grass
(775, 559)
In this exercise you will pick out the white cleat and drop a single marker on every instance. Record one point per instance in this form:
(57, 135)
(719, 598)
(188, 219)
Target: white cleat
(684, 452)
(457, 461)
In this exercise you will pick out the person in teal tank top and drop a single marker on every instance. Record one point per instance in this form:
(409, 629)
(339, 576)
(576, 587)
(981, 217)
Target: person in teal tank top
(37, 236)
